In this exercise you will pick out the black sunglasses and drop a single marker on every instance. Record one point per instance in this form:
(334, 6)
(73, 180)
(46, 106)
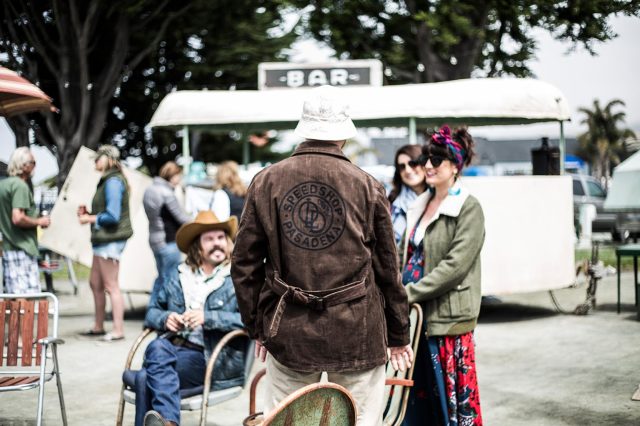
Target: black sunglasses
(436, 160)
(411, 163)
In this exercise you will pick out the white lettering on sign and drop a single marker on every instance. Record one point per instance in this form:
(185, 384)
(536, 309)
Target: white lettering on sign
(295, 78)
(317, 78)
(339, 77)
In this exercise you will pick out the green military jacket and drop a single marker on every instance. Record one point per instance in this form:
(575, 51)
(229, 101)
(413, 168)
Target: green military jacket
(449, 290)
(119, 232)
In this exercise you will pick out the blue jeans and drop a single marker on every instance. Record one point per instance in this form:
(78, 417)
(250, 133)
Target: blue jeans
(167, 259)
(167, 369)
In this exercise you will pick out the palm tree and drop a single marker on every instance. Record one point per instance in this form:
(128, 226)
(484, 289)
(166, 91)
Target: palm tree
(602, 144)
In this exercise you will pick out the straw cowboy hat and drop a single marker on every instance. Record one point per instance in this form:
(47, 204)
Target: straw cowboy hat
(325, 117)
(205, 221)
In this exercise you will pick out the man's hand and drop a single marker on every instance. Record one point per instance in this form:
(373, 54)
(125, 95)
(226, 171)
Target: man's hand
(174, 322)
(261, 351)
(44, 221)
(194, 318)
(401, 357)
(86, 218)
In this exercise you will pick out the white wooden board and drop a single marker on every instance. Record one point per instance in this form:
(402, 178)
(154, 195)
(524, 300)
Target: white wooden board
(529, 243)
(67, 237)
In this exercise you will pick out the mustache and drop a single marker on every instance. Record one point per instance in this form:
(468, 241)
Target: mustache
(214, 249)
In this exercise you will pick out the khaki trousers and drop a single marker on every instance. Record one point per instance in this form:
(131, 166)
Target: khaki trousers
(366, 387)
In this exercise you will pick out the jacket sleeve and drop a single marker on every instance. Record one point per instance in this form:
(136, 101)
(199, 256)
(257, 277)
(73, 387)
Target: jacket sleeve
(114, 191)
(174, 208)
(157, 313)
(387, 275)
(248, 263)
(455, 265)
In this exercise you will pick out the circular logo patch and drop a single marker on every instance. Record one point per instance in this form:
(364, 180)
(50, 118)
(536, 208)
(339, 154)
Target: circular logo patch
(312, 216)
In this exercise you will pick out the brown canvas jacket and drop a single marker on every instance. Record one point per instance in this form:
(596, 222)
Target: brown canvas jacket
(322, 224)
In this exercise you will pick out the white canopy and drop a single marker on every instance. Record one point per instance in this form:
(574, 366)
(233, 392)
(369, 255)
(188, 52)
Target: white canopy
(471, 101)
(625, 186)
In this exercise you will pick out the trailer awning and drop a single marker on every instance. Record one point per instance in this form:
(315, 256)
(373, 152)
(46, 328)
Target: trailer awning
(473, 102)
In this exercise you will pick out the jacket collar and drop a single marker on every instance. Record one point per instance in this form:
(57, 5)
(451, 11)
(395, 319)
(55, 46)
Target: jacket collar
(450, 206)
(319, 147)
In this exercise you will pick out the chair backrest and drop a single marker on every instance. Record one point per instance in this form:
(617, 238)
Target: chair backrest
(24, 319)
(319, 404)
(399, 382)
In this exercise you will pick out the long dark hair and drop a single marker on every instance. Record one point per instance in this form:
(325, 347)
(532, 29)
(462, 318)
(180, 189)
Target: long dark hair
(413, 151)
(195, 257)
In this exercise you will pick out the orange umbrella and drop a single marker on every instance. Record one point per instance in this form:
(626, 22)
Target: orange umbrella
(19, 96)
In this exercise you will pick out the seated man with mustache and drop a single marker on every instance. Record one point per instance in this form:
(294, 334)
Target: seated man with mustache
(192, 311)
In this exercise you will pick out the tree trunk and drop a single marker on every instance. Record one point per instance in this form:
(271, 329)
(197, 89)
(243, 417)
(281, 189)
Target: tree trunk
(64, 48)
(20, 127)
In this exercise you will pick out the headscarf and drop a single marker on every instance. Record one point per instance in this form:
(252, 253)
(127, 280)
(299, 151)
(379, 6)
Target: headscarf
(443, 138)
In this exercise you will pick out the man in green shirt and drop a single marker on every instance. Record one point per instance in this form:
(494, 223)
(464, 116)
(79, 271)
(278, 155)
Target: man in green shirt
(18, 225)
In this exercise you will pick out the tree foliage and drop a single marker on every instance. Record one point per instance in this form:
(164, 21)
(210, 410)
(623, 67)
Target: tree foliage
(603, 143)
(107, 64)
(430, 41)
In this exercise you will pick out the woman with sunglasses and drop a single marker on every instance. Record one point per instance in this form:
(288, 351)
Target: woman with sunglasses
(441, 258)
(408, 183)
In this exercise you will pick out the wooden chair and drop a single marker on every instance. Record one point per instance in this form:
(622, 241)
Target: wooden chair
(318, 404)
(198, 398)
(398, 383)
(27, 340)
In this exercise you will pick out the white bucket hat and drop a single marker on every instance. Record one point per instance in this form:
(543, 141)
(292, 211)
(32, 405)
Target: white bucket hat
(325, 117)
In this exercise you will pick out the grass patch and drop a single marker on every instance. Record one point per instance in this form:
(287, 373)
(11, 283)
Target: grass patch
(82, 273)
(607, 255)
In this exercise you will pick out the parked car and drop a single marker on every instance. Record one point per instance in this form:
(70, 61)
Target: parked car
(621, 225)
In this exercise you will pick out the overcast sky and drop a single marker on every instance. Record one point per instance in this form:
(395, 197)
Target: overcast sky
(581, 77)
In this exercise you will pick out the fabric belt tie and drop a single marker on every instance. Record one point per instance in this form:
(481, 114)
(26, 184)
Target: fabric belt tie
(318, 300)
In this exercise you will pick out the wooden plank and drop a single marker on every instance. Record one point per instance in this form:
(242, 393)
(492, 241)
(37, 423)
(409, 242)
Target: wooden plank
(18, 380)
(3, 305)
(14, 332)
(27, 331)
(43, 325)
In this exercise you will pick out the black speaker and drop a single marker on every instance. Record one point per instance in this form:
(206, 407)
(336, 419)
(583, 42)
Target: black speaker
(546, 159)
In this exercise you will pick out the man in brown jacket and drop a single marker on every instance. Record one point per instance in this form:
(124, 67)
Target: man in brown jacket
(315, 267)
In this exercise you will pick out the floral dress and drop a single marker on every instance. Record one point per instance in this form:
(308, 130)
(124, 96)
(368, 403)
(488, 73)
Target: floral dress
(445, 391)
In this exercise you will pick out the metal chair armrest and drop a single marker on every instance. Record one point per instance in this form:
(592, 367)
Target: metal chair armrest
(51, 340)
(210, 364)
(252, 391)
(132, 352)
(136, 345)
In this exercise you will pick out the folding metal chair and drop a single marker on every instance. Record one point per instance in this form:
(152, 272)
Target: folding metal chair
(399, 383)
(318, 404)
(198, 398)
(28, 338)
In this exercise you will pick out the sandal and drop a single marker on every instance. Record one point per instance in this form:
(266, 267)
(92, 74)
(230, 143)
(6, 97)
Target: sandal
(111, 338)
(93, 333)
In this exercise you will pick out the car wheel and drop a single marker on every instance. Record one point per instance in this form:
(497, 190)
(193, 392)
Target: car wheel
(620, 236)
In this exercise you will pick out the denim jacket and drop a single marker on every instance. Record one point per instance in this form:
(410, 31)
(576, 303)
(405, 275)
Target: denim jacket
(221, 315)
